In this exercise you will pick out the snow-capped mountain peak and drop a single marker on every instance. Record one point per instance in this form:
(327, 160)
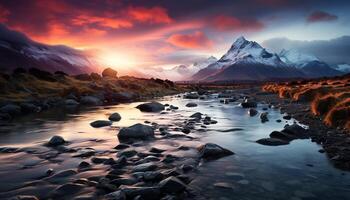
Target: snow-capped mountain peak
(293, 57)
(244, 51)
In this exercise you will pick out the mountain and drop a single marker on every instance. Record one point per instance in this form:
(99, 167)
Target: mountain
(310, 65)
(248, 61)
(17, 50)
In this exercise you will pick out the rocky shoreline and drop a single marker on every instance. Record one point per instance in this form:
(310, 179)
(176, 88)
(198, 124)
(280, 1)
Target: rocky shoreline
(335, 142)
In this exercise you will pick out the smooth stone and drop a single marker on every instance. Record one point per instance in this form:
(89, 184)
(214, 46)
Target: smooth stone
(117, 195)
(68, 189)
(147, 193)
(152, 176)
(281, 135)
(296, 131)
(144, 167)
(121, 146)
(197, 115)
(90, 100)
(191, 105)
(213, 151)
(115, 117)
(191, 96)
(100, 123)
(84, 164)
(71, 102)
(252, 112)
(223, 185)
(156, 150)
(272, 142)
(151, 107)
(56, 140)
(136, 131)
(263, 117)
(127, 153)
(249, 104)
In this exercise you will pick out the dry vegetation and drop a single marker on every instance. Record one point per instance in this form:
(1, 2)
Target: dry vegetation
(328, 98)
(25, 86)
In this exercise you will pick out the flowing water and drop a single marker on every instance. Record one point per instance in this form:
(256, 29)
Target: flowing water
(295, 171)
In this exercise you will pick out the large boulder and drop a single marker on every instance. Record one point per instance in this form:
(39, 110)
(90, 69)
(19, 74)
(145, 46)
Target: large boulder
(90, 101)
(213, 151)
(151, 107)
(252, 112)
(136, 131)
(100, 123)
(249, 104)
(296, 131)
(11, 109)
(109, 72)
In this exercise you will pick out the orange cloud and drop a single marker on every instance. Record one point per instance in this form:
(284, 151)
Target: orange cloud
(155, 15)
(197, 40)
(102, 21)
(228, 23)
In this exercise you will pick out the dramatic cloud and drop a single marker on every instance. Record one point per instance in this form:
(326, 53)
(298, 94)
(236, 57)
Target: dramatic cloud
(228, 23)
(334, 51)
(321, 16)
(196, 40)
(152, 15)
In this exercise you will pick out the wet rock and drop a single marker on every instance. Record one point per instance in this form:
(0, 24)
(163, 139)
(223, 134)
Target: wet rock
(90, 101)
(84, 164)
(99, 160)
(84, 153)
(11, 109)
(127, 153)
(278, 121)
(144, 167)
(213, 151)
(281, 135)
(272, 142)
(191, 96)
(156, 150)
(186, 168)
(68, 189)
(121, 146)
(29, 108)
(56, 140)
(115, 117)
(100, 123)
(191, 105)
(296, 131)
(263, 117)
(147, 193)
(152, 176)
(252, 112)
(65, 173)
(287, 117)
(186, 130)
(137, 131)
(71, 102)
(171, 185)
(174, 107)
(49, 172)
(197, 115)
(104, 183)
(124, 181)
(151, 107)
(109, 72)
(224, 185)
(24, 197)
(249, 104)
(117, 195)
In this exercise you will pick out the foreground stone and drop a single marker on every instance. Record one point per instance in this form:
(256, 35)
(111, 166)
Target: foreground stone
(213, 151)
(296, 131)
(249, 104)
(151, 107)
(191, 96)
(137, 131)
(100, 123)
(56, 140)
(171, 185)
(191, 105)
(90, 101)
(117, 195)
(115, 117)
(252, 112)
(147, 193)
(263, 117)
(272, 142)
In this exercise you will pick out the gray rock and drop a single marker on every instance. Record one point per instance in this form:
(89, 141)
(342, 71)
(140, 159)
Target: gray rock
(249, 104)
(296, 131)
(115, 117)
(71, 102)
(117, 195)
(56, 140)
(252, 112)
(263, 117)
(281, 136)
(213, 151)
(272, 142)
(11, 109)
(152, 176)
(171, 185)
(151, 107)
(90, 101)
(144, 167)
(191, 96)
(197, 115)
(127, 153)
(191, 105)
(137, 131)
(68, 189)
(146, 193)
(100, 123)
(24, 197)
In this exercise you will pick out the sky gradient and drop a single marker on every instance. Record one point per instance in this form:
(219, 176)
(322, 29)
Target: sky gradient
(147, 33)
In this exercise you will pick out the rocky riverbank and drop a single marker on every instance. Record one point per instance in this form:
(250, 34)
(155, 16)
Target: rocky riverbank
(25, 92)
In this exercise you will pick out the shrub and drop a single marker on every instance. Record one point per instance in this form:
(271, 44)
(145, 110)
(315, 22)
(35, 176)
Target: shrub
(339, 115)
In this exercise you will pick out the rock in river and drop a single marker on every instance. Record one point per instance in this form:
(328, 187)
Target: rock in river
(171, 185)
(249, 104)
(272, 142)
(100, 123)
(191, 105)
(136, 131)
(252, 112)
(296, 131)
(151, 107)
(90, 101)
(263, 117)
(115, 117)
(213, 151)
(56, 140)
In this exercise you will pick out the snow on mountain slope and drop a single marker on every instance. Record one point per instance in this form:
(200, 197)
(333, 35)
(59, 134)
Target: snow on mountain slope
(17, 50)
(293, 57)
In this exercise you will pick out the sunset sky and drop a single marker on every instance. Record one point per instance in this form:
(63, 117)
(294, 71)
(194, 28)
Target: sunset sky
(147, 33)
